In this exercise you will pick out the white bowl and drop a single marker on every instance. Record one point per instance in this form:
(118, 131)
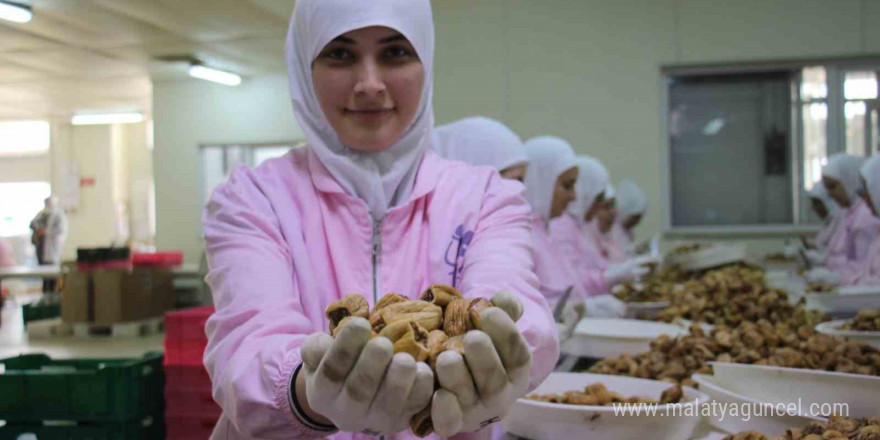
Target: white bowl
(648, 309)
(552, 421)
(845, 302)
(815, 392)
(831, 328)
(611, 337)
(722, 416)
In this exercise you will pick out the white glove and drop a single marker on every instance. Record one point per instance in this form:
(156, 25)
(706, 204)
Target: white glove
(792, 250)
(571, 315)
(605, 306)
(629, 270)
(476, 390)
(359, 384)
(823, 276)
(815, 257)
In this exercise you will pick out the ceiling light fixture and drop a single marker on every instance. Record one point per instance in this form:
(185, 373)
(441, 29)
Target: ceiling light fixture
(17, 12)
(129, 117)
(218, 76)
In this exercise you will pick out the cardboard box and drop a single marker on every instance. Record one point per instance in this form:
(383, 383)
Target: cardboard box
(132, 294)
(75, 296)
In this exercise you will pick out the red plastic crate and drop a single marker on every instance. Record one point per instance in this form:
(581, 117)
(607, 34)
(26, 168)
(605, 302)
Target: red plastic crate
(188, 428)
(187, 377)
(154, 259)
(185, 338)
(191, 403)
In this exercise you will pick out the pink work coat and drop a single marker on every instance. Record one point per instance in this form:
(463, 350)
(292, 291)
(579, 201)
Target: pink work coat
(622, 238)
(571, 241)
(604, 243)
(868, 272)
(556, 274)
(284, 241)
(848, 248)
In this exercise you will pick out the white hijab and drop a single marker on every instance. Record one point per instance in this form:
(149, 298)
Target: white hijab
(592, 179)
(631, 200)
(871, 172)
(819, 192)
(384, 179)
(480, 141)
(548, 158)
(610, 193)
(845, 168)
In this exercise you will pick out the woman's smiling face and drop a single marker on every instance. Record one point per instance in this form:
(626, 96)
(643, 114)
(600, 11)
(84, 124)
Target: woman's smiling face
(369, 84)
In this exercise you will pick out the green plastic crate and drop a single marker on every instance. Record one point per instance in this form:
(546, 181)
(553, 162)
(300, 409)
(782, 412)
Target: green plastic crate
(40, 310)
(36, 388)
(148, 428)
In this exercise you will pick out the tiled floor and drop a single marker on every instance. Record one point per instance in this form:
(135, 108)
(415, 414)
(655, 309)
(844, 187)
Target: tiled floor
(14, 341)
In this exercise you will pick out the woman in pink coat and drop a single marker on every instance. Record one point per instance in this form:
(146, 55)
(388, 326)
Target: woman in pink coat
(600, 229)
(632, 203)
(550, 187)
(868, 271)
(829, 211)
(849, 245)
(365, 208)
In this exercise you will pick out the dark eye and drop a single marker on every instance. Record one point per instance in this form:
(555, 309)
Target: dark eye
(398, 53)
(337, 54)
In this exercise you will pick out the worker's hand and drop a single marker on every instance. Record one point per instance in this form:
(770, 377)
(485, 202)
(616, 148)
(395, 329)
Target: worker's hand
(823, 276)
(606, 306)
(359, 384)
(629, 270)
(477, 389)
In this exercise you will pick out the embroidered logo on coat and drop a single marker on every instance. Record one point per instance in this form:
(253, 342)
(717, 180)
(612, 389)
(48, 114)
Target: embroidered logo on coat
(455, 251)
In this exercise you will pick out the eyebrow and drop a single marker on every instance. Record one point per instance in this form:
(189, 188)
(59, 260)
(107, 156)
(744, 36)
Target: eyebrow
(344, 39)
(392, 38)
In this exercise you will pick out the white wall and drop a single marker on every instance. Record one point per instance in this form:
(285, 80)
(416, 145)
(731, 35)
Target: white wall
(585, 70)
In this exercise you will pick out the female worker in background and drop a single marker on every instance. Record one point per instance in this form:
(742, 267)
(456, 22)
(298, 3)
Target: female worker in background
(482, 141)
(365, 207)
(550, 187)
(867, 272)
(599, 230)
(570, 238)
(849, 244)
(632, 203)
(829, 212)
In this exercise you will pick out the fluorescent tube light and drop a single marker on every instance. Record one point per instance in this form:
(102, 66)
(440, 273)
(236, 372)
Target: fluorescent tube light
(107, 118)
(16, 12)
(214, 75)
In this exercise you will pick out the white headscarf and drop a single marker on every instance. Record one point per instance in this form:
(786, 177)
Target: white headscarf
(631, 200)
(383, 179)
(548, 158)
(845, 168)
(480, 141)
(592, 179)
(871, 172)
(819, 192)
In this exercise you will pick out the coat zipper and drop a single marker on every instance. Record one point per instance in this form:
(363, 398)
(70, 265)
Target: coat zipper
(377, 251)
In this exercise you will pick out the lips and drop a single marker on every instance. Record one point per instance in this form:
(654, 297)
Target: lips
(373, 114)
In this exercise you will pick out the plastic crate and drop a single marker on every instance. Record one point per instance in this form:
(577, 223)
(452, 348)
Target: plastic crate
(148, 428)
(187, 377)
(153, 259)
(36, 388)
(191, 403)
(185, 338)
(40, 310)
(179, 427)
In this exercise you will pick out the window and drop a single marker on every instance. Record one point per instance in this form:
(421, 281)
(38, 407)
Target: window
(21, 203)
(20, 138)
(746, 147)
(730, 149)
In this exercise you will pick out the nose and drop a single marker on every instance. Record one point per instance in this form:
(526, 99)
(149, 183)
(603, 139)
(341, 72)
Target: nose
(370, 80)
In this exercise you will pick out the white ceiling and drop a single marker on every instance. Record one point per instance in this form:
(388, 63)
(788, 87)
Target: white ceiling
(101, 54)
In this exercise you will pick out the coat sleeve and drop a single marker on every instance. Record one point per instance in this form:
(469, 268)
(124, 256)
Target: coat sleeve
(588, 266)
(255, 334)
(499, 258)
